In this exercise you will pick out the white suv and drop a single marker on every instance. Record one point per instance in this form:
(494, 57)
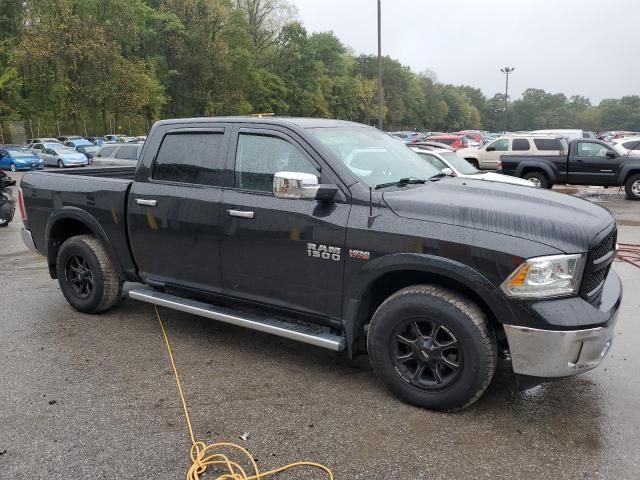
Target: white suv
(488, 156)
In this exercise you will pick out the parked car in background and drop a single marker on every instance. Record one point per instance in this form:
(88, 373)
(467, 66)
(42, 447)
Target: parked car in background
(589, 162)
(38, 147)
(451, 163)
(97, 140)
(408, 137)
(69, 138)
(488, 156)
(33, 141)
(17, 157)
(456, 142)
(111, 137)
(627, 146)
(61, 156)
(474, 135)
(117, 154)
(77, 142)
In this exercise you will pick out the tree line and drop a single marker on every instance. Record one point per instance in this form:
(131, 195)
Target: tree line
(122, 64)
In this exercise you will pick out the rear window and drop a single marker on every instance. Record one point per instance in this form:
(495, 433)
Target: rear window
(548, 144)
(520, 144)
(634, 145)
(190, 158)
(128, 153)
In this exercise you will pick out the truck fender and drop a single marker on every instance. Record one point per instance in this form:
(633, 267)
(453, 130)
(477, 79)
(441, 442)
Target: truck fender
(355, 308)
(627, 170)
(88, 221)
(532, 165)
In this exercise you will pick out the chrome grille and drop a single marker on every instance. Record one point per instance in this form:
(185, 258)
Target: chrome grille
(598, 264)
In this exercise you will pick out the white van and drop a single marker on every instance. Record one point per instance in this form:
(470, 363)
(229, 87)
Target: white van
(568, 133)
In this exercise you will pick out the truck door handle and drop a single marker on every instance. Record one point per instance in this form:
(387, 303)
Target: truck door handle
(579, 161)
(240, 213)
(146, 202)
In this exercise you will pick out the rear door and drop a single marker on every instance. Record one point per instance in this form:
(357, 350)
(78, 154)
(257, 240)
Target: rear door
(590, 165)
(281, 252)
(174, 208)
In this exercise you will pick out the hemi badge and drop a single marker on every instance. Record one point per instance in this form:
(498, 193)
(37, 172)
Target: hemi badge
(359, 254)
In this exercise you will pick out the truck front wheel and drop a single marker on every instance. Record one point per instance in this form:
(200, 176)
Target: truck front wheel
(632, 187)
(86, 275)
(432, 347)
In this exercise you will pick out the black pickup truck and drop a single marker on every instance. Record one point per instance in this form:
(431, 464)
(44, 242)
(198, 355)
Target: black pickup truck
(334, 234)
(588, 162)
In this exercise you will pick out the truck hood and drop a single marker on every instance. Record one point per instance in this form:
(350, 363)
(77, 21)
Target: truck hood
(554, 219)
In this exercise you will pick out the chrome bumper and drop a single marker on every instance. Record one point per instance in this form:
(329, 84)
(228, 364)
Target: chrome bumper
(27, 239)
(550, 353)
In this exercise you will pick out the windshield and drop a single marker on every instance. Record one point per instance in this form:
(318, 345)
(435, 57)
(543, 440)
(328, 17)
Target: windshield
(53, 146)
(373, 156)
(459, 163)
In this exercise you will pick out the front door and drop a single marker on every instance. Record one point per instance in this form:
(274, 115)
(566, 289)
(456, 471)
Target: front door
(281, 252)
(490, 155)
(589, 164)
(174, 215)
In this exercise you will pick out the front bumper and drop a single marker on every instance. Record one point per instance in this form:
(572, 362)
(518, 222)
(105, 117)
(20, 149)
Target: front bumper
(561, 353)
(27, 239)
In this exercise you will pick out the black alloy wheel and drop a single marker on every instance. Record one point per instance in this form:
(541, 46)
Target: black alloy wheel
(80, 277)
(426, 354)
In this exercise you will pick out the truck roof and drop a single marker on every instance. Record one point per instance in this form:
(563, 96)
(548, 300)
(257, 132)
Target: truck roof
(301, 122)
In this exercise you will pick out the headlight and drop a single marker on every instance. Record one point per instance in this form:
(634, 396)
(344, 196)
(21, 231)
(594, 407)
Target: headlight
(542, 277)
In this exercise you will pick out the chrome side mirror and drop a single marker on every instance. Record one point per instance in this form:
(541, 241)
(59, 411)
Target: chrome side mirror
(447, 171)
(295, 185)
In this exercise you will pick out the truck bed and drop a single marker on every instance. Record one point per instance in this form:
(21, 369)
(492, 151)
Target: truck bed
(96, 196)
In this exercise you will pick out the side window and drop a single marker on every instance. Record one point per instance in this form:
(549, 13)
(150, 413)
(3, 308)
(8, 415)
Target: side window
(500, 145)
(548, 144)
(38, 146)
(259, 157)
(127, 153)
(107, 152)
(190, 158)
(591, 150)
(520, 144)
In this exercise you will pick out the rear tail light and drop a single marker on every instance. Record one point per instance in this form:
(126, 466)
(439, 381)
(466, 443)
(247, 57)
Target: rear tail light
(21, 207)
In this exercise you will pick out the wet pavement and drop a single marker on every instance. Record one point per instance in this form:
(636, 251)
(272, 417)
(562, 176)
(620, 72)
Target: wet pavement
(87, 396)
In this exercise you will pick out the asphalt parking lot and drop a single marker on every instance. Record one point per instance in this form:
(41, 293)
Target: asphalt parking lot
(86, 396)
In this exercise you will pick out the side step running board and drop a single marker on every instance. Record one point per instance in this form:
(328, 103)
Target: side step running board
(302, 333)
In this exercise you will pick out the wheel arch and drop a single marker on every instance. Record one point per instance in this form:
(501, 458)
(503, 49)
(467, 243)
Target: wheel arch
(70, 222)
(386, 275)
(527, 167)
(627, 172)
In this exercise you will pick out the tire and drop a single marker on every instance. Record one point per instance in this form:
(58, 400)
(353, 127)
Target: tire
(538, 178)
(60, 164)
(4, 223)
(13, 167)
(632, 187)
(473, 162)
(84, 252)
(459, 320)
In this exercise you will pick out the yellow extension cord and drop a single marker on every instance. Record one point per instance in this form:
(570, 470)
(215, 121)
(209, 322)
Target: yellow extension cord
(203, 456)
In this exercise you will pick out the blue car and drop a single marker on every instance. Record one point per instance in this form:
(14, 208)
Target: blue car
(15, 157)
(78, 142)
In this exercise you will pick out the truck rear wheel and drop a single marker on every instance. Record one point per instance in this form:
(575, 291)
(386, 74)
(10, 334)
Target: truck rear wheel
(632, 187)
(539, 179)
(86, 275)
(432, 347)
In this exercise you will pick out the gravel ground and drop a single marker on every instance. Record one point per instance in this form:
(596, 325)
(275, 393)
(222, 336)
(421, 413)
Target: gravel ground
(93, 396)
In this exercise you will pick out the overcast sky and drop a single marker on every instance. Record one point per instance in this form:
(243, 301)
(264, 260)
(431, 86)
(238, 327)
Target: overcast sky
(587, 47)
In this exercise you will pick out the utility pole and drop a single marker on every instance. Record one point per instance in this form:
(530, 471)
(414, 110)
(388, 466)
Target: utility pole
(506, 71)
(379, 65)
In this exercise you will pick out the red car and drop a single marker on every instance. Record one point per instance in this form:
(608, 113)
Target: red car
(454, 141)
(472, 134)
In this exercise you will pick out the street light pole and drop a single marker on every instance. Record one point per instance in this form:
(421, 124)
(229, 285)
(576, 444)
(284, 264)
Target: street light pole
(379, 65)
(506, 71)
